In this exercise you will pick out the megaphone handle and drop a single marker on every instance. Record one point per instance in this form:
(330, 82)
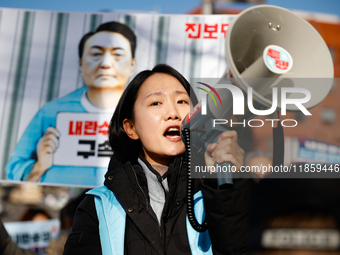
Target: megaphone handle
(224, 177)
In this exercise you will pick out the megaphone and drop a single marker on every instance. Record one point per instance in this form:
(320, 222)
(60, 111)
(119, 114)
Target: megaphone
(271, 47)
(276, 44)
(275, 58)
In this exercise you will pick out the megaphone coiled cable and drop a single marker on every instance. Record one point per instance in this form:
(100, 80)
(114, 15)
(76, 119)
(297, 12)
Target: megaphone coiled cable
(190, 196)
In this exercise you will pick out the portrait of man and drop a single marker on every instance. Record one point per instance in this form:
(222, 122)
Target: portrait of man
(43, 153)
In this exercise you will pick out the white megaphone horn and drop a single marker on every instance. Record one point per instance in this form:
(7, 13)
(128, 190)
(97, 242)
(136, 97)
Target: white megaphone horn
(269, 46)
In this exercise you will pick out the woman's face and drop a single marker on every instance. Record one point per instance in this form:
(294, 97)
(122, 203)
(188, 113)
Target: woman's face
(161, 105)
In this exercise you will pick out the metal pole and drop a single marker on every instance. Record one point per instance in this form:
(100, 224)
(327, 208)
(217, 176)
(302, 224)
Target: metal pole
(207, 6)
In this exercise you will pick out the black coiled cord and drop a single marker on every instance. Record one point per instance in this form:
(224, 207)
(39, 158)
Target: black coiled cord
(190, 196)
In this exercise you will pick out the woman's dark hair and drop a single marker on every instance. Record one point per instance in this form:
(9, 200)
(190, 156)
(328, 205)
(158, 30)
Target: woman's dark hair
(124, 147)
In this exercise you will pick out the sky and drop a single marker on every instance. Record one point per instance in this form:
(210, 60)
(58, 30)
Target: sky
(161, 6)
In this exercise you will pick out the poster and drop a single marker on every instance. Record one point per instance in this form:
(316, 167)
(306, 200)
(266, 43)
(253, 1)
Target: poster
(42, 78)
(33, 235)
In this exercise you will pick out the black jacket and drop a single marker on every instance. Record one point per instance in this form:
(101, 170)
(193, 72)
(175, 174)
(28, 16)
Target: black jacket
(225, 213)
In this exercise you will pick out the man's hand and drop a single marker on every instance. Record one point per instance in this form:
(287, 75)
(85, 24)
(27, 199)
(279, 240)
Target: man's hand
(46, 147)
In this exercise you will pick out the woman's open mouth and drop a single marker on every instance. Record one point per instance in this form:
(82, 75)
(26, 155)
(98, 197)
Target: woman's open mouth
(173, 134)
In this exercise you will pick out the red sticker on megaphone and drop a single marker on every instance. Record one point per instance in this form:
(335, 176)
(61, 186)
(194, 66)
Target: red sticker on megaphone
(277, 59)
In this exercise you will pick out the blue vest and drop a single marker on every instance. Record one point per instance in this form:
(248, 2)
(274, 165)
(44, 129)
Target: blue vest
(111, 216)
